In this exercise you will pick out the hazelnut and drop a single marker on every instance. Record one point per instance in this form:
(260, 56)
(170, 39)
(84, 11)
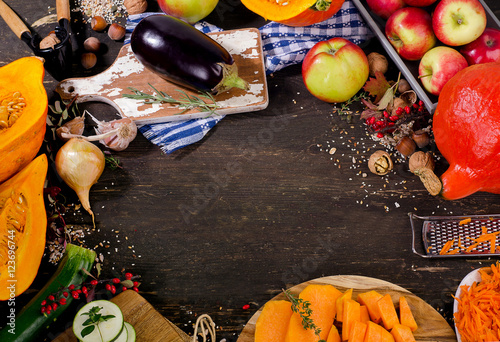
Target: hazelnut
(116, 31)
(403, 85)
(406, 146)
(98, 23)
(377, 62)
(92, 44)
(88, 60)
(135, 6)
(380, 163)
(421, 138)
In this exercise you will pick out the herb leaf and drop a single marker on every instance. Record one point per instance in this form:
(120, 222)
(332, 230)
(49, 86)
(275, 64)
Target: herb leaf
(186, 101)
(88, 330)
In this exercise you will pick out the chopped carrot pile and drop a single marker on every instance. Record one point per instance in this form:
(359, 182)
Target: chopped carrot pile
(485, 237)
(478, 315)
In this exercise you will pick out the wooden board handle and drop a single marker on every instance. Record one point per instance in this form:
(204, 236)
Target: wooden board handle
(63, 10)
(12, 19)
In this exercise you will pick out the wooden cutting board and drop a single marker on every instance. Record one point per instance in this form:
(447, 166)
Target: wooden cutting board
(149, 324)
(245, 45)
(432, 326)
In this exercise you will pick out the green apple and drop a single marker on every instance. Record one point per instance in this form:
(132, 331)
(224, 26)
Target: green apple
(335, 70)
(190, 11)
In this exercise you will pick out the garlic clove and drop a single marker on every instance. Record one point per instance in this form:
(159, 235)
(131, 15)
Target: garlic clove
(72, 127)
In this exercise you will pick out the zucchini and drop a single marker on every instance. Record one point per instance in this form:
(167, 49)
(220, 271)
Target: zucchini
(130, 332)
(111, 329)
(30, 322)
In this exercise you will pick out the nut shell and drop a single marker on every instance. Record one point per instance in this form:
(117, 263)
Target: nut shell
(98, 23)
(380, 163)
(116, 31)
(406, 146)
(92, 44)
(420, 160)
(88, 60)
(135, 6)
(377, 62)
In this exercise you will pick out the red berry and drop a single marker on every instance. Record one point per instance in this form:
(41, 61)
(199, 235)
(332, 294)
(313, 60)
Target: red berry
(54, 306)
(62, 301)
(380, 135)
(108, 287)
(93, 282)
(48, 309)
(84, 290)
(113, 289)
(71, 287)
(124, 288)
(51, 298)
(135, 289)
(246, 307)
(65, 294)
(394, 118)
(79, 291)
(415, 105)
(399, 111)
(421, 103)
(75, 294)
(390, 124)
(43, 302)
(128, 275)
(136, 283)
(386, 114)
(407, 110)
(43, 309)
(116, 280)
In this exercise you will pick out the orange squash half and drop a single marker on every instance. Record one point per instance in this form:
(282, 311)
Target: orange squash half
(294, 12)
(23, 223)
(23, 113)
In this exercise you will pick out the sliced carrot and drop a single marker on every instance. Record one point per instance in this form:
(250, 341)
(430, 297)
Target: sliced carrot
(340, 304)
(333, 335)
(358, 332)
(402, 333)
(365, 316)
(446, 247)
(351, 314)
(369, 299)
(387, 312)
(465, 221)
(322, 299)
(272, 324)
(405, 315)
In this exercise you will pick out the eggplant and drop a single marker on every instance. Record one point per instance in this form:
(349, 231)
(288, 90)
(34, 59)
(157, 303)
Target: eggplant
(183, 55)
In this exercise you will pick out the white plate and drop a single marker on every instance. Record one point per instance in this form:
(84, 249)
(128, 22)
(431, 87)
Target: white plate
(469, 279)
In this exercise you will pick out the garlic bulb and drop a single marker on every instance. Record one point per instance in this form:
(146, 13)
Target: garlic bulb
(116, 134)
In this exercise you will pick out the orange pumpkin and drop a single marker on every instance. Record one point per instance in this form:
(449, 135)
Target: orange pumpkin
(23, 223)
(23, 113)
(294, 12)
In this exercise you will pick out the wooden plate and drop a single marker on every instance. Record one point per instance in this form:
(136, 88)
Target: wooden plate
(432, 326)
(245, 45)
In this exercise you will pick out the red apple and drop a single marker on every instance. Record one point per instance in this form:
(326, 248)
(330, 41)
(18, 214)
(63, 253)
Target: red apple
(438, 65)
(409, 30)
(384, 8)
(419, 3)
(190, 11)
(485, 49)
(458, 22)
(335, 70)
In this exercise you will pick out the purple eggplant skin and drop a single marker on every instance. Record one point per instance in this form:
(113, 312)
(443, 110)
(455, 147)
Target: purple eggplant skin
(181, 54)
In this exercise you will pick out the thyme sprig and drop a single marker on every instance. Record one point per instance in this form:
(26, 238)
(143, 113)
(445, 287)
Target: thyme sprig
(302, 307)
(186, 101)
(93, 321)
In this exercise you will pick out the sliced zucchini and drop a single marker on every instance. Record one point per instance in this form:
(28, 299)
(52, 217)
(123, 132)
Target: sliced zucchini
(108, 330)
(130, 331)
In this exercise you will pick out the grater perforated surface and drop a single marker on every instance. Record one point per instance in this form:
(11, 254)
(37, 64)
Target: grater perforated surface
(462, 230)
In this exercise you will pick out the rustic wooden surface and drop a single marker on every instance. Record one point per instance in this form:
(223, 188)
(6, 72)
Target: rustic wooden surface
(259, 205)
(431, 324)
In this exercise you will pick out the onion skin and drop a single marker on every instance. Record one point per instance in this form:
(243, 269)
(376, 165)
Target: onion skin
(80, 164)
(181, 54)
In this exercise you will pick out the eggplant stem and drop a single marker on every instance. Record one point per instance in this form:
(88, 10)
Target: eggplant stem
(230, 79)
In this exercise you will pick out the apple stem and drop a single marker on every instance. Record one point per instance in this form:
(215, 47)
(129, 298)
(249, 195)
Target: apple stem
(426, 75)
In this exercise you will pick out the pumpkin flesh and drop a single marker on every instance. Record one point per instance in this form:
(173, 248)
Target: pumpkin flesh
(20, 139)
(294, 12)
(23, 223)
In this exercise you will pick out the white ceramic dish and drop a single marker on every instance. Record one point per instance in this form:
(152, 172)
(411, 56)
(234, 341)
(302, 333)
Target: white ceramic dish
(469, 279)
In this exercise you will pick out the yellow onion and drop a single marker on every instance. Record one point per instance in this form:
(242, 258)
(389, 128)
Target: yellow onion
(80, 164)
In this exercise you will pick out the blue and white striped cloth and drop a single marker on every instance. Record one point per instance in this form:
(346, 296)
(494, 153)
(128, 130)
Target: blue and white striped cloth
(282, 46)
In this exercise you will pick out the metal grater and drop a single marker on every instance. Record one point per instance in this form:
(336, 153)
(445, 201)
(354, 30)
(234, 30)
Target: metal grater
(438, 230)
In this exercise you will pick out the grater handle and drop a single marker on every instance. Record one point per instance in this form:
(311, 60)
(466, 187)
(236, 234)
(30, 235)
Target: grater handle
(414, 237)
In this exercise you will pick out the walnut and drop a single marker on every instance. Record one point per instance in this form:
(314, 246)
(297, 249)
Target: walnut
(380, 163)
(135, 6)
(377, 62)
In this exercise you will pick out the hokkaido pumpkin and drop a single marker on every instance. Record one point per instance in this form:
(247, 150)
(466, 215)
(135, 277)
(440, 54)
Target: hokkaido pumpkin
(23, 113)
(23, 224)
(294, 12)
(466, 129)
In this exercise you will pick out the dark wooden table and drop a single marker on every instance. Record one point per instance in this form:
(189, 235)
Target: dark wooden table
(254, 207)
